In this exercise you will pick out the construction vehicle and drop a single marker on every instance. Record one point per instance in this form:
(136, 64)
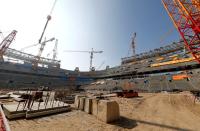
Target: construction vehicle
(91, 56)
(127, 93)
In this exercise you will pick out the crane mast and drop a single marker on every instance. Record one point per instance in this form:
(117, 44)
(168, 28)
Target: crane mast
(185, 15)
(35, 63)
(91, 58)
(133, 43)
(55, 50)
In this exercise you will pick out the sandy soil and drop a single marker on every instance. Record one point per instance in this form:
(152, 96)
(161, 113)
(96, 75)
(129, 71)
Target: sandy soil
(149, 112)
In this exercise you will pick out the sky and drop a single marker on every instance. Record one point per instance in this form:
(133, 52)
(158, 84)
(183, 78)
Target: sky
(105, 25)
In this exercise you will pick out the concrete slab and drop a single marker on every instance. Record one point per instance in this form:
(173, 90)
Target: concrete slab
(11, 112)
(58, 107)
(50, 108)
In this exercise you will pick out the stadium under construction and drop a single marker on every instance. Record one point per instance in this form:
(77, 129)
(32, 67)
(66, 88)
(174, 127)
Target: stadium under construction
(166, 77)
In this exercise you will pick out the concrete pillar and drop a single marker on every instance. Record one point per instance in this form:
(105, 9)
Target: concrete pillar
(108, 111)
(94, 110)
(88, 105)
(81, 103)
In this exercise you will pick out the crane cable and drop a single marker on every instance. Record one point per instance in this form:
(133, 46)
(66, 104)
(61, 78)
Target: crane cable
(101, 65)
(53, 7)
(22, 49)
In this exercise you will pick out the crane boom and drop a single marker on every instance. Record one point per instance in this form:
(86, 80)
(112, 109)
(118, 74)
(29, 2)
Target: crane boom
(91, 56)
(48, 19)
(6, 43)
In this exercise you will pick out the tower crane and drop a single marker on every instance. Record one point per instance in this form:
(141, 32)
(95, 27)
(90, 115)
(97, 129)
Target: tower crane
(6, 43)
(185, 15)
(91, 56)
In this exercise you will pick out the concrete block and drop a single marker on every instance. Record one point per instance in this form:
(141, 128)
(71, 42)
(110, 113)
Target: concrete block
(77, 98)
(88, 105)
(108, 111)
(81, 103)
(94, 110)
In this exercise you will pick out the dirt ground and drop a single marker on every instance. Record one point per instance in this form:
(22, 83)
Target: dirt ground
(149, 112)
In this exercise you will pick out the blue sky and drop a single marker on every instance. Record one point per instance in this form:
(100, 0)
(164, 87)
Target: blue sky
(84, 24)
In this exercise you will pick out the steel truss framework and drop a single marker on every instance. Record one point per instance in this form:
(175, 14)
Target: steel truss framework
(6, 43)
(174, 47)
(185, 15)
(12, 53)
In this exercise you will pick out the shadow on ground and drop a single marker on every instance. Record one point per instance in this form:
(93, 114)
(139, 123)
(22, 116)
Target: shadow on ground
(162, 125)
(125, 123)
(132, 123)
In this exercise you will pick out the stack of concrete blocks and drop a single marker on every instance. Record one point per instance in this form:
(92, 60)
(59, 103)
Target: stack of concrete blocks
(105, 110)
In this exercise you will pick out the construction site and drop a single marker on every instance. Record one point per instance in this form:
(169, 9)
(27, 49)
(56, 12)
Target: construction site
(156, 90)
